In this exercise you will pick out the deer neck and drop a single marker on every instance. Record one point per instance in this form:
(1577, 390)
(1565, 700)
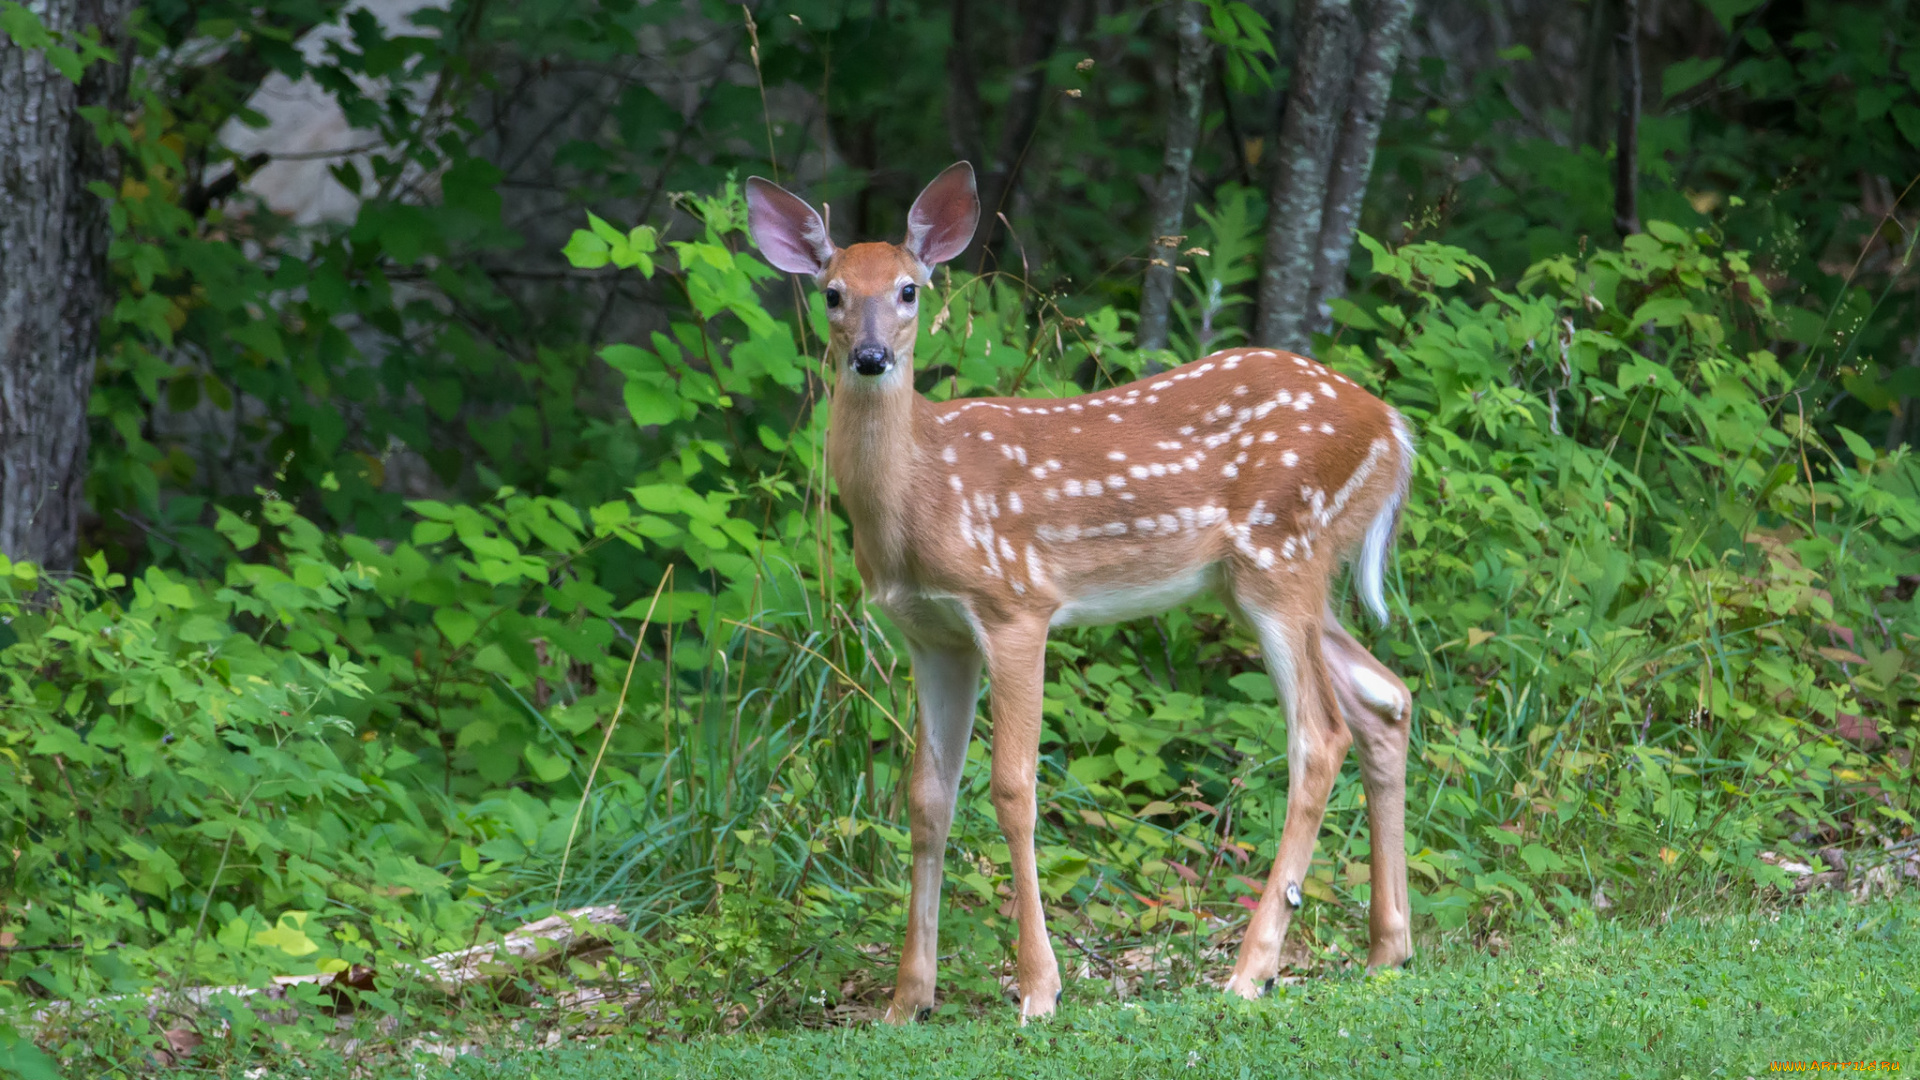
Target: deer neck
(873, 450)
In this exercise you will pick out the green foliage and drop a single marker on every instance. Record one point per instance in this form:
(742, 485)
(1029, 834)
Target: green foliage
(1646, 590)
(442, 581)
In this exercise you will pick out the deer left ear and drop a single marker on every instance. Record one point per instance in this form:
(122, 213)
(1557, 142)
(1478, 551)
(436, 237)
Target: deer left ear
(941, 223)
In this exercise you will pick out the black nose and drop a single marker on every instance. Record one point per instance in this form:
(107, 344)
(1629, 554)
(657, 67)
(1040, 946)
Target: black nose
(872, 359)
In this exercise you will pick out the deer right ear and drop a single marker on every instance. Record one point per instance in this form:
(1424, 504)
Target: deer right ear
(788, 231)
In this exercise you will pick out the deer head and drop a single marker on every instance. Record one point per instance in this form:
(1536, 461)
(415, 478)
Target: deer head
(872, 290)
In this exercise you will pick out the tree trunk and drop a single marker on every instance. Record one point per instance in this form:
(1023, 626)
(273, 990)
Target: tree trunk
(1590, 125)
(53, 278)
(1301, 166)
(1176, 171)
(1626, 152)
(1353, 154)
(1039, 30)
(963, 91)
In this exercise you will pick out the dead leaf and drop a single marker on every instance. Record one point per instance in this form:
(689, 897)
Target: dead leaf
(1475, 636)
(1841, 656)
(1860, 730)
(180, 1044)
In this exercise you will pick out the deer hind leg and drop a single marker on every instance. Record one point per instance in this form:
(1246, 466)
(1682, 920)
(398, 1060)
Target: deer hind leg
(947, 681)
(1016, 668)
(1379, 711)
(1317, 742)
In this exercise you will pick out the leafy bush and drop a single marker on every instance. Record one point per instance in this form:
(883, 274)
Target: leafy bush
(1642, 581)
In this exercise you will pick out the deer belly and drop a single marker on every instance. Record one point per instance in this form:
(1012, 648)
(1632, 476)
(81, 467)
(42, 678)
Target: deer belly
(1099, 603)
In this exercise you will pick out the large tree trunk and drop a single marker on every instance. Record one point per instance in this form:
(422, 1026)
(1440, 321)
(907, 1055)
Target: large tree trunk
(1302, 161)
(1176, 171)
(1026, 98)
(53, 278)
(1626, 149)
(1353, 154)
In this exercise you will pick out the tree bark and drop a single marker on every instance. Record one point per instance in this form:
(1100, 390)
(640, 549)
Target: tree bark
(1039, 31)
(1301, 167)
(53, 277)
(1353, 154)
(1169, 208)
(1626, 152)
(1590, 124)
(963, 91)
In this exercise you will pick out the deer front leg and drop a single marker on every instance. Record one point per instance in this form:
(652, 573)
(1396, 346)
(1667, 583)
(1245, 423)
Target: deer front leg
(947, 682)
(1379, 710)
(1317, 742)
(1016, 666)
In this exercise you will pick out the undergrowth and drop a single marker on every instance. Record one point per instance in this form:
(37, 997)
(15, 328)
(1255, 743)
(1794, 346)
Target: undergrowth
(1654, 605)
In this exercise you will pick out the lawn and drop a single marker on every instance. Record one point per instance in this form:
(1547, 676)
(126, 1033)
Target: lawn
(1726, 996)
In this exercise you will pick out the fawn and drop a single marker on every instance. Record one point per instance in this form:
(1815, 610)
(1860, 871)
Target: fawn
(979, 524)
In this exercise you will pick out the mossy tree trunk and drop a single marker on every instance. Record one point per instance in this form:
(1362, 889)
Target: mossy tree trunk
(53, 276)
(1169, 208)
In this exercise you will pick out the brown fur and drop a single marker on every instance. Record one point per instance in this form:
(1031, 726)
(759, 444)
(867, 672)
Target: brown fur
(980, 523)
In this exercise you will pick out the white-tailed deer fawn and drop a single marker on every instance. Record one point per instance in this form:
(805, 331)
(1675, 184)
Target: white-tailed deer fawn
(979, 524)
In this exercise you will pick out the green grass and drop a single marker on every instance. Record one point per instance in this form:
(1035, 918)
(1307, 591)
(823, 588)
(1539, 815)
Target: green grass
(1720, 997)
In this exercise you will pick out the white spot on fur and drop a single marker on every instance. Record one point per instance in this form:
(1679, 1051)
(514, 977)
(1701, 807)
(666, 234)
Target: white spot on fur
(1289, 459)
(948, 455)
(1116, 455)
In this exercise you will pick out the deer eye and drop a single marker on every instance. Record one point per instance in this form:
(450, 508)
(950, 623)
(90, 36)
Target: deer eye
(833, 298)
(907, 293)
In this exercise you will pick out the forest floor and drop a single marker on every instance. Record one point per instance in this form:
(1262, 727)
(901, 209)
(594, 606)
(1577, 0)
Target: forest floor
(1737, 995)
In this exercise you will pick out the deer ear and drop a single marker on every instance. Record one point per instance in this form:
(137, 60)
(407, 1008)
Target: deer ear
(941, 223)
(788, 231)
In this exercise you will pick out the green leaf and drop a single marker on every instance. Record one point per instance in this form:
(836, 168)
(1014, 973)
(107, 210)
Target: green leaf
(1684, 75)
(458, 624)
(649, 403)
(603, 230)
(585, 250)
(203, 628)
(20, 1058)
(1860, 447)
(1661, 311)
(289, 935)
(1907, 119)
(1668, 233)
(546, 765)
(239, 532)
